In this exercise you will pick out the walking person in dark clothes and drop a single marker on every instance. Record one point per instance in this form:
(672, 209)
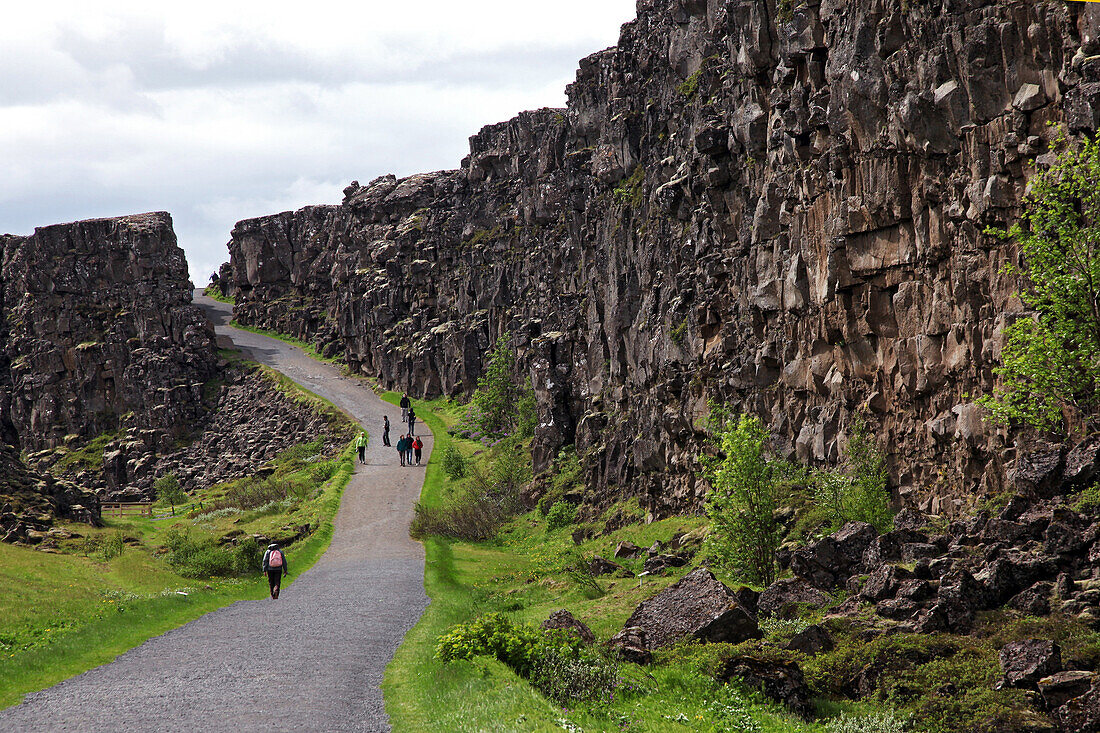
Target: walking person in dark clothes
(275, 566)
(409, 449)
(385, 430)
(402, 448)
(361, 444)
(418, 445)
(412, 421)
(405, 405)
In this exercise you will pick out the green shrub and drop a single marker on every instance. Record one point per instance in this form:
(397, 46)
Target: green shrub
(195, 558)
(745, 493)
(562, 514)
(1088, 501)
(565, 675)
(1049, 365)
(255, 492)
(113, 545)
(248, 556)
(493, 635)
(453, 462)
(858, 492)
(526, 413)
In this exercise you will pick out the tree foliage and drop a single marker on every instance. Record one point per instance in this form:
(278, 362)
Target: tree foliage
(168, 488)
(746, 489)
(1050, 363)
(857, 491)
(502, 405)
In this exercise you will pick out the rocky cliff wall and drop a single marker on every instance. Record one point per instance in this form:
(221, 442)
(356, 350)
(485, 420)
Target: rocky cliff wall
(777, 207)
(97, 334)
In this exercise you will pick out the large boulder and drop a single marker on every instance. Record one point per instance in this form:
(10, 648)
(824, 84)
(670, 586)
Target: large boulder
(630, 645)
(568, 622)
(833, 559)
(1026, 662)
(699, 606)
(1081, 714)
(779, 680)
(1061, 687)
(786, 597)
(1038, 473)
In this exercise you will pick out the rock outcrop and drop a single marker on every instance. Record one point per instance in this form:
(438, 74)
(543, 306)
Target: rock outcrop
(777, 207)
(97, 335)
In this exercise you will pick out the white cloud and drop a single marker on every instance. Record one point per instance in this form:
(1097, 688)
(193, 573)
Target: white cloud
(223, 111)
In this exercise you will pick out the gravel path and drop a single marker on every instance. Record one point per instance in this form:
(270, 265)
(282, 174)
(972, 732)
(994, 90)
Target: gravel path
(313, 660)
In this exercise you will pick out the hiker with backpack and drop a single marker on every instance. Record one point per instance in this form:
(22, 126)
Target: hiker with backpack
(418, 445)
(402, 448)
(275, 567)
(361, 444)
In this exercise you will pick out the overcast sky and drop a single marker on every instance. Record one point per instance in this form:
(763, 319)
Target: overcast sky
(221, 111)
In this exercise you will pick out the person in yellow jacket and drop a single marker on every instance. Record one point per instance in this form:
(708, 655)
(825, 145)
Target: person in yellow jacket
(361, 444)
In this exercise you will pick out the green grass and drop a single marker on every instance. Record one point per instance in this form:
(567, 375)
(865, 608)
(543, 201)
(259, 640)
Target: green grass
(212, 291)
(286, 339)
(521, 573)
(62, 614)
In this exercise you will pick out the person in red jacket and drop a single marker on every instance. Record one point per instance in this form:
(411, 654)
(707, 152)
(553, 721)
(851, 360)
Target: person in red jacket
(418, 445)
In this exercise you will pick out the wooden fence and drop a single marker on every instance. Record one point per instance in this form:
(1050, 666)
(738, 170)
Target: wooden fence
(123, 508)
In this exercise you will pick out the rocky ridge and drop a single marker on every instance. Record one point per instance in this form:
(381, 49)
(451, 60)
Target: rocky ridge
(781, 208)
(98, 335)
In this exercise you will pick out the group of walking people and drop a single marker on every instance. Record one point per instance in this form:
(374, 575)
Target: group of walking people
(409, 445)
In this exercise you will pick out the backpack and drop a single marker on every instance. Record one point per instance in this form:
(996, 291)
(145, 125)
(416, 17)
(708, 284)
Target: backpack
(275, 560)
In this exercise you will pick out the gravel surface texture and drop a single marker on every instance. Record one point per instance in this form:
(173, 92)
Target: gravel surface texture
(312, 660)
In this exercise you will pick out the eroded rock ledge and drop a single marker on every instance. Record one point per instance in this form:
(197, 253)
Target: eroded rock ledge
(781, 209)
(98, 335)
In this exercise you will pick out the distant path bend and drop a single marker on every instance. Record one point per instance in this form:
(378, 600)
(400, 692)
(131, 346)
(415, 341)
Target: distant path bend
(311, 661)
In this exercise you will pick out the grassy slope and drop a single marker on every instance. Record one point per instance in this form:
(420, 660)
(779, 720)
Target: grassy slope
(97, 610)
(520, 574)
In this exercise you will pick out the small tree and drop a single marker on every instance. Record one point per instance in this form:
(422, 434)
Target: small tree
(743, 498)
(495, 400)
(1050, 363)
(168, 488)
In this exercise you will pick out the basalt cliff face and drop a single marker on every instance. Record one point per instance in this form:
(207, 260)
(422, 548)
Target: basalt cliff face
(780, 208)
(98, 335)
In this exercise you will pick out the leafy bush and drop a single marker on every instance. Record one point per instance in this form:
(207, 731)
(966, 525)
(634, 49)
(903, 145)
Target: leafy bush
(775, 627)
(565, 675)
(248, 556)
(195, 558)
(885, 722)
(1088, 501)
(526, 413)
(493, 635)
(453, 462)
(562, 514)
(1049, 363)
(744, 496)
(858, 492)
(113, 545)
(253, 493)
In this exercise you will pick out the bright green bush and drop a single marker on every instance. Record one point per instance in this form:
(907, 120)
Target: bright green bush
(453, 462)
(113, 545)
(1050, 363)
(493, 635)
(197, 558)
(565, 675)
(745, 493)
(561, 514)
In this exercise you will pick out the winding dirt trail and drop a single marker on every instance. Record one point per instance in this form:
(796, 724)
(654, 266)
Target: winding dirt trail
(314, 659)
